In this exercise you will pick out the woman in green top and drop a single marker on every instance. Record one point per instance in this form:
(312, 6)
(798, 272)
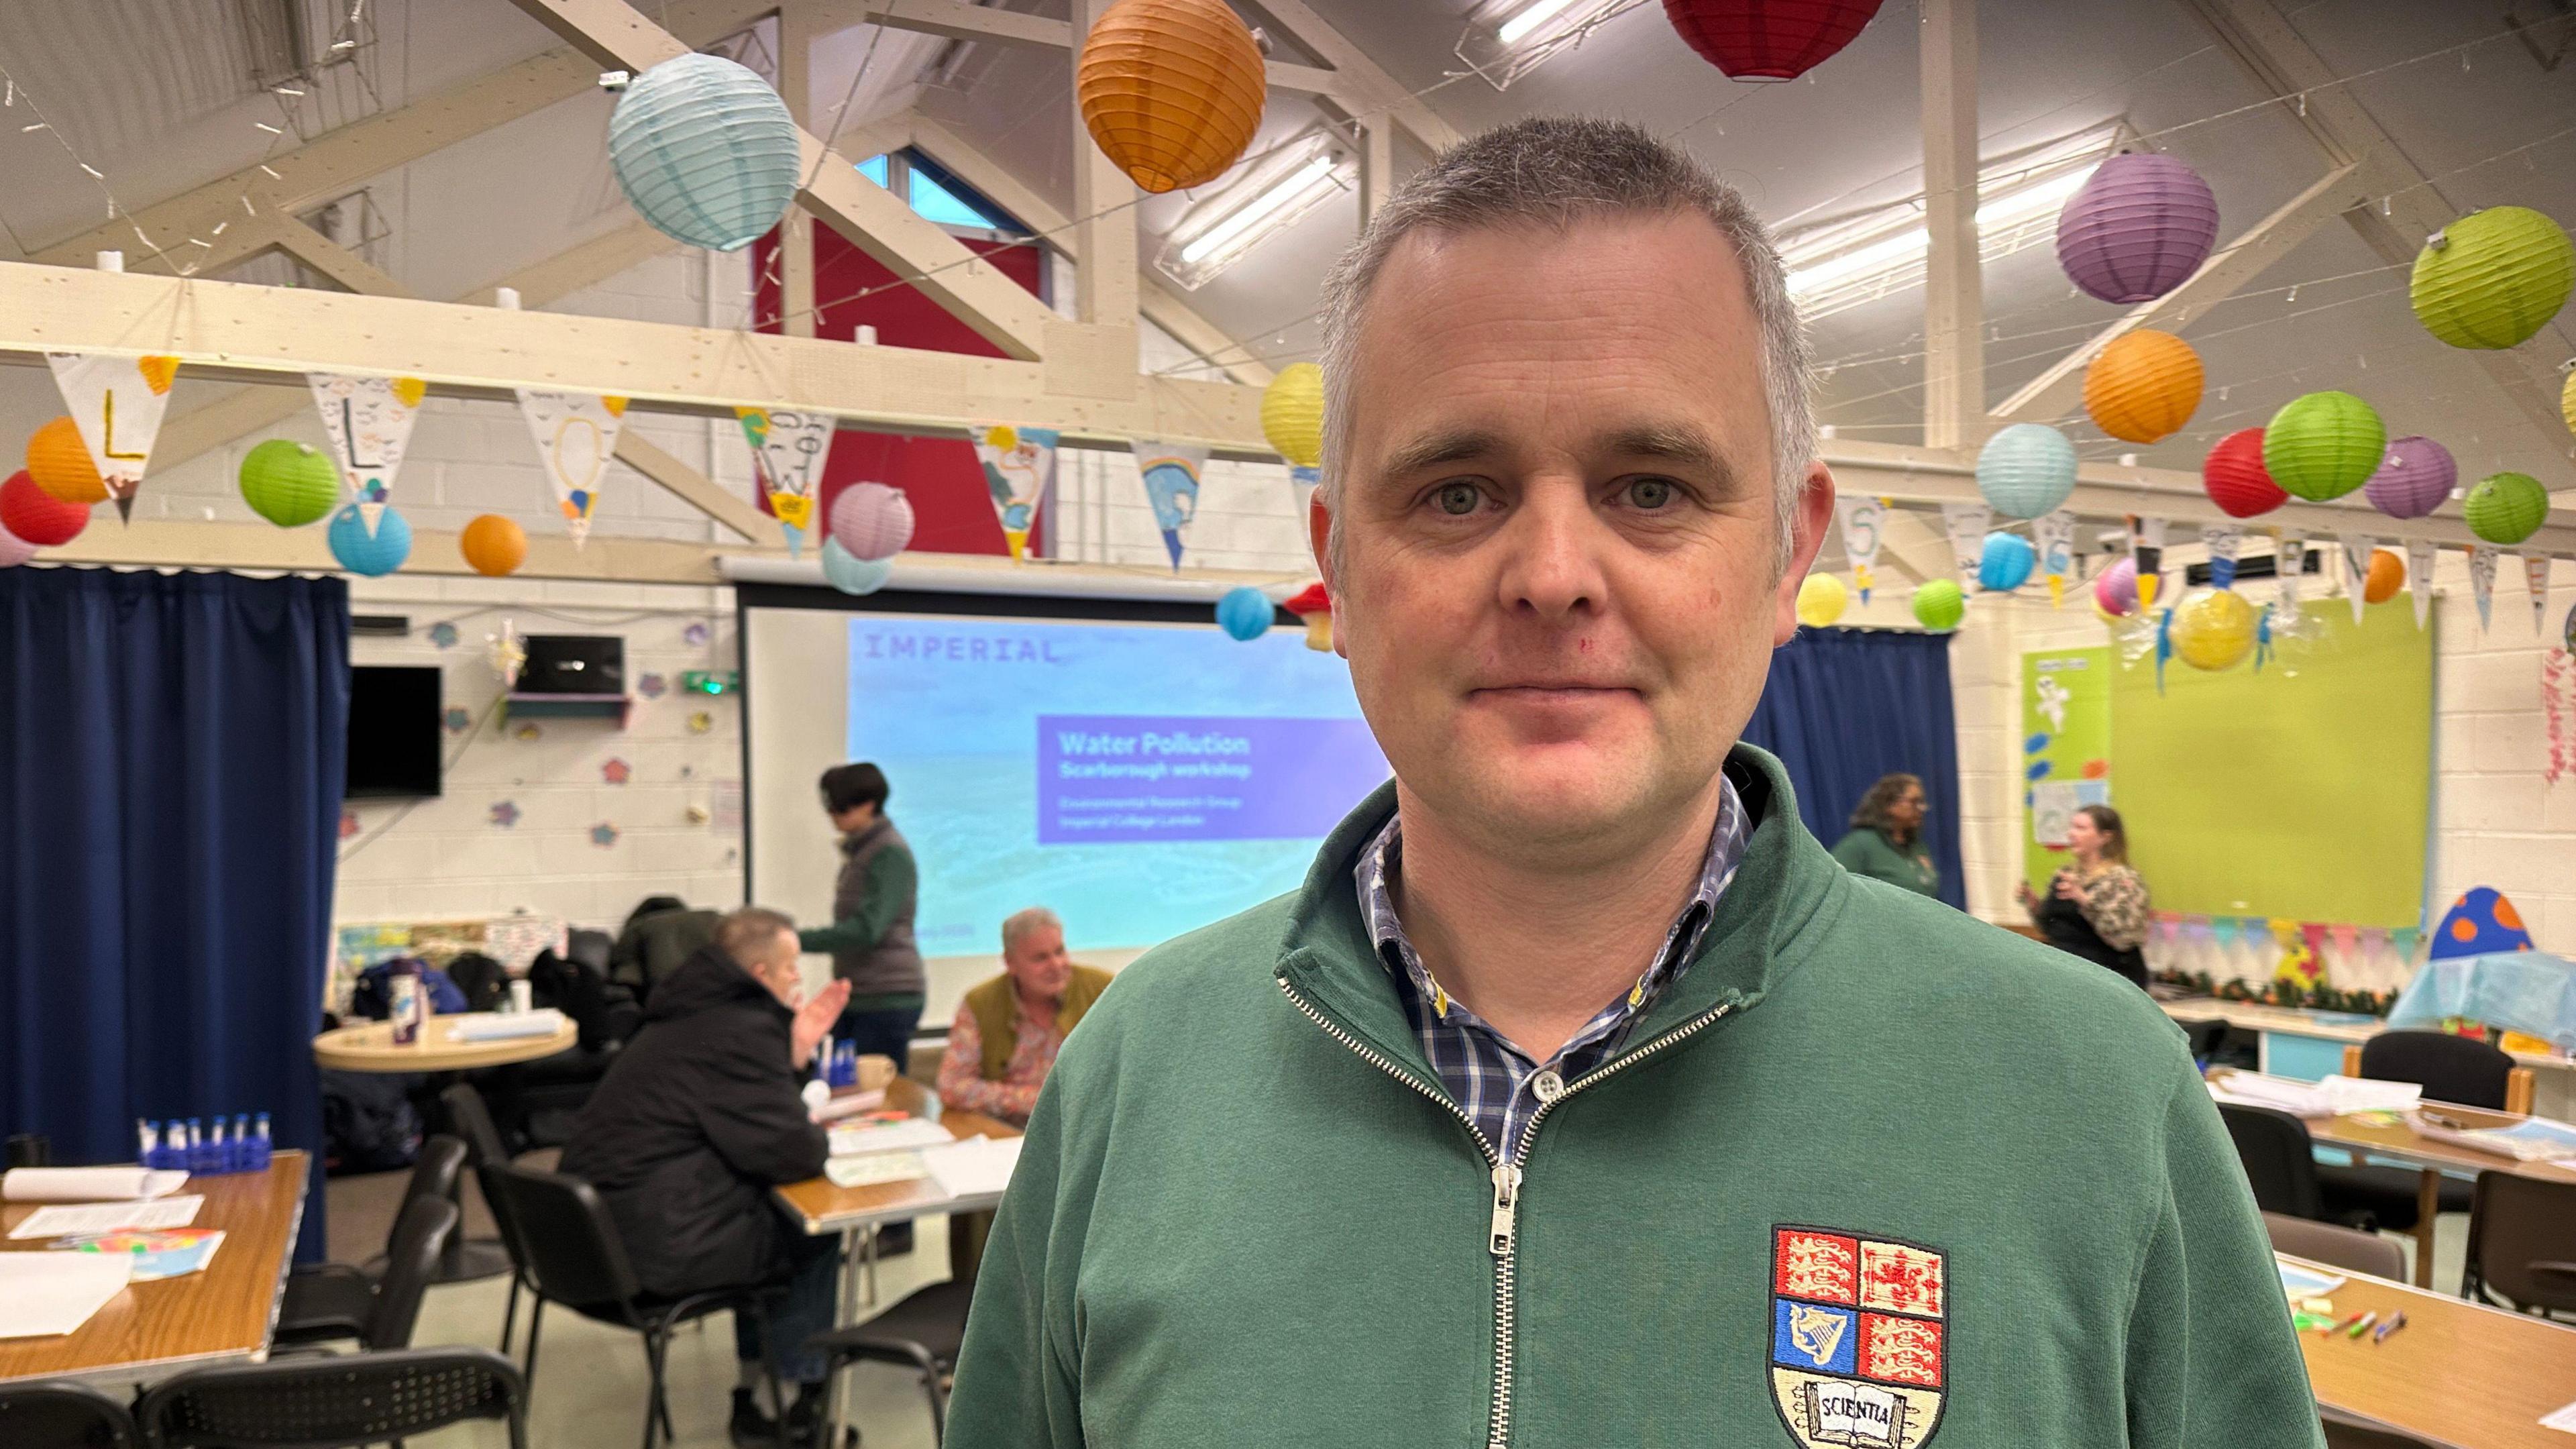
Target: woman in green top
(1886, 839)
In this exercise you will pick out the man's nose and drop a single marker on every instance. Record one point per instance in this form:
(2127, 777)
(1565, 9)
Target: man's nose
(1551, 553)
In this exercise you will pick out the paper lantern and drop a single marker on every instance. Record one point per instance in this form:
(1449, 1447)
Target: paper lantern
(493, 545)
(2493, 278)
(1821, 600)
(2143, 387)
(2213, 628)
(1171, 90)
(2567, 401)
(2413, 479)
(2387, 575)
(2006, 563)
(854, 575)
(2324, 445)
(2233, 477)
(1315, 607)
(1292, 414)
(374, 555)
(872, 521)
(2140, 226)
(1768, 40)
(2506, 508)
(705, 151)
(2026, 470)
(288, 483)
(37, 517)
(2115, 589)
(1245, 613)
(60, 463)
(1939, 606)
(14, 550)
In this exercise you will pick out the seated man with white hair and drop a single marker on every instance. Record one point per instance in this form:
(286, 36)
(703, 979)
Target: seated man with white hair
(1009, 1029)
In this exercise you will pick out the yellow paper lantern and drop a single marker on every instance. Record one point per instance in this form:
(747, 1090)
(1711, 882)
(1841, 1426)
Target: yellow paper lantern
(59, 462)
(2143, 387)
(1821, 600)
(2213, 629)
(1292, 414)
(2567, 402)
(1171, 90)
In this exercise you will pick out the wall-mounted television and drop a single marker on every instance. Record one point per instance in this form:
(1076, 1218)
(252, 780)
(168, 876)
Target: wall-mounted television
(394, 738)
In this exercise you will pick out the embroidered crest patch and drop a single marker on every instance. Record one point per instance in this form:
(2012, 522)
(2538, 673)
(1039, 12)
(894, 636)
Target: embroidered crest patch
(1858, 1330)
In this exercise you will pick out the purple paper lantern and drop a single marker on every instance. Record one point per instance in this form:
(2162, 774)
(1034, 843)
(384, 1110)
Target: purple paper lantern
(2413, 479)
(872, 521)
(2141, 225)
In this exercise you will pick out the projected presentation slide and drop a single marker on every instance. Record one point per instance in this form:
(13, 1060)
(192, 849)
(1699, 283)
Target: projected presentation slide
(1141, 780)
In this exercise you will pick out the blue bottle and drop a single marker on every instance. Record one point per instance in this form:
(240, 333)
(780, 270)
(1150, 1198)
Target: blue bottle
(241, 1142)
(260, 1146)
(174, 1145)
(201, 1153)
(219, 1150)
(845, 1065)
(147, 1138)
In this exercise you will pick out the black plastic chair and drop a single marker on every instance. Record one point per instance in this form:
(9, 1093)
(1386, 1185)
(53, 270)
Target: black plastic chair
(2279, 1159)
(2449, 1068)
(471, 1120)
(334, 1300)
(329, 1403)
(575, 1257)
(2522, 1244)
(64, 1416)
(384, 1317)
(921, 1332)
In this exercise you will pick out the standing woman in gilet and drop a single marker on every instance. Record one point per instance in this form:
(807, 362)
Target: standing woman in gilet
(870, 937)
(2096, 907)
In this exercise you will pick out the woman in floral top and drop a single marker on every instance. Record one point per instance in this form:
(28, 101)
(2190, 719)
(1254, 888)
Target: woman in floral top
(2097, 907)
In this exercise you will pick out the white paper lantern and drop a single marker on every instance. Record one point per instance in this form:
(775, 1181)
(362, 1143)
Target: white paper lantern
(705, 150)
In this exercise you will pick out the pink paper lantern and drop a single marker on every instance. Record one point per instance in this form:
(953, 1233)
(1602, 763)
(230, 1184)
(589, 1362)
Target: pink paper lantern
(2140, 226)
(2116, 591)
(2413, 479)
(872, 521)
(14, 550)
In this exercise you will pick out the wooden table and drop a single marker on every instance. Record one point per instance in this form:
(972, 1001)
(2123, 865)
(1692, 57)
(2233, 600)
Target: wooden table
(819, 1207)
(221, 1314)
(2305, 1045)
(370, 1048)
(2457, 1373)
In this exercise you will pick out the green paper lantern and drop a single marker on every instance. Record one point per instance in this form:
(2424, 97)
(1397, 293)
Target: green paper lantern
(1939, 606)
(2506, 508)
(288, 483)
(2324, 445)
(2493, 278)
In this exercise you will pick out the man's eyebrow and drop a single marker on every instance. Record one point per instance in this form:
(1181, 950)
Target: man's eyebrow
(1451, 445)
(1685, 448)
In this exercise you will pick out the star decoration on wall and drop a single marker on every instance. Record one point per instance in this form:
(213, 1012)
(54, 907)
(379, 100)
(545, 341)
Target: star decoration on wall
(651, 686)
(615, 772)
(459, 719)
(505, 813)
(603, 835)
(348, 824)
(701, 722)
(443, 635)
(530, 732)
(694, 635)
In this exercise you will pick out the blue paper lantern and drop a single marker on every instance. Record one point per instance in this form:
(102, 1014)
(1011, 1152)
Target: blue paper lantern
(1245, 613)
(372, 556)
(2006, 563)
(2026, 470)
(705, 151)
(851, 574)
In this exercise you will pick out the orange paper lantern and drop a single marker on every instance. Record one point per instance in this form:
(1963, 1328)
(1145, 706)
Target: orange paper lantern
(2143, 387)
(1171, 90)
(59, 462)
(2387, 575)
(493, 545)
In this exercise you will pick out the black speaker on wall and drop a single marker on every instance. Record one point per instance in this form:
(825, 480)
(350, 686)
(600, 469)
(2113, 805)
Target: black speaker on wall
(574, 664)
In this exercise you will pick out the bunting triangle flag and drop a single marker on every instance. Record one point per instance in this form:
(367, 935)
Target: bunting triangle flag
(2224, 541)
(788, 451)
(117, 403)
(367, 421)
(2535, 574)
(576, 434)
(2482, 572)
(1966, 524)
(1860, 519)
(2147, 549)
(2054, 533)
(2422, 555)
(1171, 476)
(2357, 549)
(1019, 468)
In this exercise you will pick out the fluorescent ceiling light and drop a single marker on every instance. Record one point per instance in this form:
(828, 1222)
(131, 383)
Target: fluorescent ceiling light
(1507, 39)
(1528, 18)
(1270, 196)
(1843, 264)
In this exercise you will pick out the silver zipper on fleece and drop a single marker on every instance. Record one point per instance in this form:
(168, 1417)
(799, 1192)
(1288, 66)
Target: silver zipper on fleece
(1502, 1239)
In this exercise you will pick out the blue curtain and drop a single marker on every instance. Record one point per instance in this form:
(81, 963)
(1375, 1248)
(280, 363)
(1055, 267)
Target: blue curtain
(172, 752)
(1845, 706)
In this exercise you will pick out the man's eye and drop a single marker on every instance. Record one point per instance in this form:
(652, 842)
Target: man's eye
(1458, 499)
(1650, 493)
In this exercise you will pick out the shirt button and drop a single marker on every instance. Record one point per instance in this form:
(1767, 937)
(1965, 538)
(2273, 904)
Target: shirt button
(1547, 1085)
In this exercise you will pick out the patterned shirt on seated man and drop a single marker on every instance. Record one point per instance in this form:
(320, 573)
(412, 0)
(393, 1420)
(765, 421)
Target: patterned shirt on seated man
(1009, 1029)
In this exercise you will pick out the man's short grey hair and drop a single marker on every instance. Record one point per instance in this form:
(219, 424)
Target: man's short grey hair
(1555, 171)
(746, 934)
(1019, 924)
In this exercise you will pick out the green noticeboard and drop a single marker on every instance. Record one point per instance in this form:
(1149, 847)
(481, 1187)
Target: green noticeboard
(2065, 750)
(2299, 793)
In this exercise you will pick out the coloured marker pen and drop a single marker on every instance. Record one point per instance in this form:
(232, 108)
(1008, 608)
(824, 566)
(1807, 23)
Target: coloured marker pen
(2367, 1319)
(2395, 1322)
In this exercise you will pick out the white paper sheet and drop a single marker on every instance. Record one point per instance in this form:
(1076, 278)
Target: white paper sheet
(2561, 1419)
(875, 1167)
(2363, 1094)
(2253, 1089)
(51, 1293)
(88, 1184)
(887, 1136)
(975, 1167)
(62, 1220)
(503, 1026)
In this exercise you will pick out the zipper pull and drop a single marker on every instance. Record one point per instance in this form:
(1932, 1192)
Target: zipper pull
(1507, 1183)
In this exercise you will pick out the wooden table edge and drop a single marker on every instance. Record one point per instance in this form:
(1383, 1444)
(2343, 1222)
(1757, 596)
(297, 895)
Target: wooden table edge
(339, 1056)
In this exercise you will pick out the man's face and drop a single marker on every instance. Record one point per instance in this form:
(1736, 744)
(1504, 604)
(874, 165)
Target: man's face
(1037, 962)
(777, 969)
(1558, 588)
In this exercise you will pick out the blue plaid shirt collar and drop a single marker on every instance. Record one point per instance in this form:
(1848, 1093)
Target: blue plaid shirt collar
(1497, 1084)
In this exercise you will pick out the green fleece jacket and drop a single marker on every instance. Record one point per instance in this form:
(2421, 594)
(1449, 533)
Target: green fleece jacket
(1981, 1201)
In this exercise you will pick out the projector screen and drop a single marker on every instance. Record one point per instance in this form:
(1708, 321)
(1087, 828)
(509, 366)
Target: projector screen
(1141, 777)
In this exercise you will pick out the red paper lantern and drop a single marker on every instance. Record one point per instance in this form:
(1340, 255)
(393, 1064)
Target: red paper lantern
(1768, 40)
(38, 517)
(2235, 479)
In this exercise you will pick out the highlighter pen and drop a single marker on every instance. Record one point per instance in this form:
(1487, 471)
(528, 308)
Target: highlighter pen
(2395, 1322)
(2348, 1323)
(2367, 1319)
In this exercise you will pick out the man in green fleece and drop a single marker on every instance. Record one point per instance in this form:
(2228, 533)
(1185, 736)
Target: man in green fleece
(1578, 1098)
